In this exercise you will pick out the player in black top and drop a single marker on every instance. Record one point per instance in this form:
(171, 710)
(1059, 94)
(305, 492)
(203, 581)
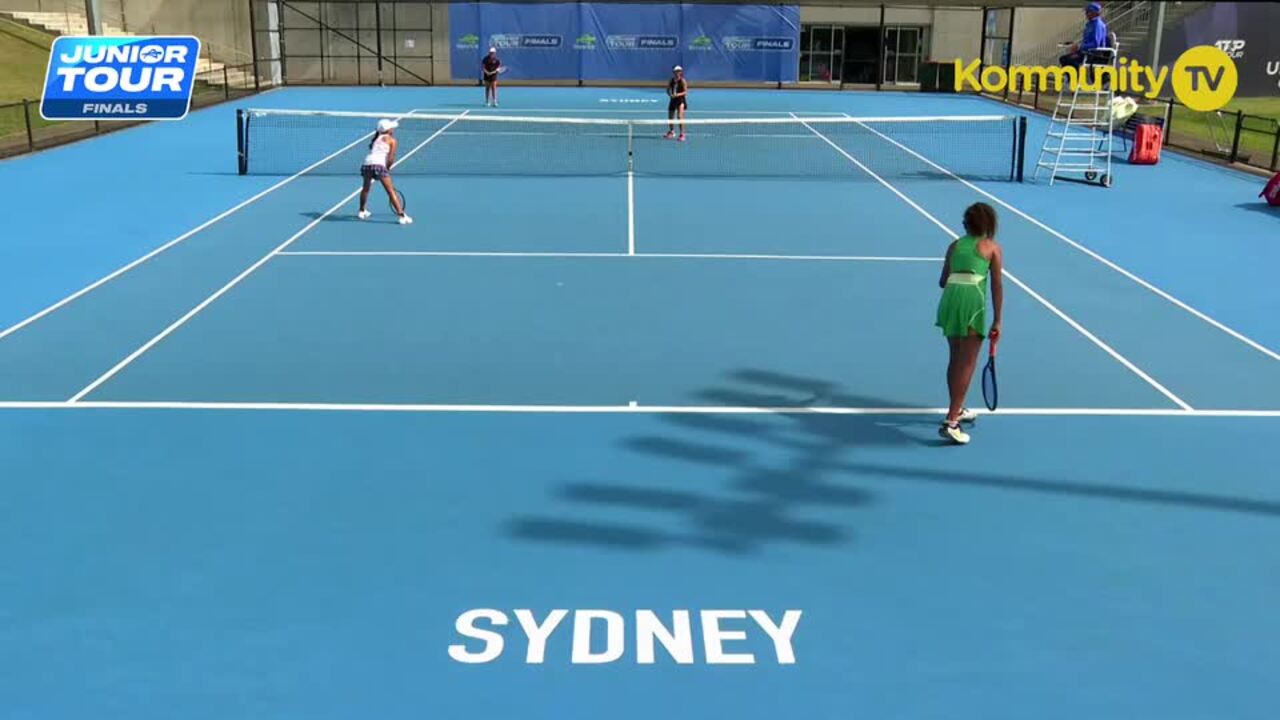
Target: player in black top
(490, 68)
(678, 91)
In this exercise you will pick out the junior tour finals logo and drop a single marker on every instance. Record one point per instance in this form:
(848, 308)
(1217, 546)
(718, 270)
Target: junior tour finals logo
(119, 78)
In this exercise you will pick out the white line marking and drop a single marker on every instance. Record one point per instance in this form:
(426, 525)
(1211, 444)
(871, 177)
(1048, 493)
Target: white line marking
(234, 281)
(120, 271)
(610, 409)
(676, 256)
(1052, 308)
(1096, 256)
(655, 110)
(631, 211)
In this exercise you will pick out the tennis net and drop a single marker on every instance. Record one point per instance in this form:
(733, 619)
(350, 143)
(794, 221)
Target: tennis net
(285, 142)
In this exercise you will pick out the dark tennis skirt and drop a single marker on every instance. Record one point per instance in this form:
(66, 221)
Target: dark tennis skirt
(373, 172)
(675, 103)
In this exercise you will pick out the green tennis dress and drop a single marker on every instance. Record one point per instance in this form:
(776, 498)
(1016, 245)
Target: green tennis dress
(964, 300)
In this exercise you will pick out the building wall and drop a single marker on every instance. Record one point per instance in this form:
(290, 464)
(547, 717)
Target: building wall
(222, 23)
(953, 32)
(1036, 32)
(957, 33)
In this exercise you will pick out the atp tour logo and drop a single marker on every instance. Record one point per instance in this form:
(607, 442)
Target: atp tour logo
(1233, 48)
(119, 78)
(509, 41)
(775, 44)
(642, 42)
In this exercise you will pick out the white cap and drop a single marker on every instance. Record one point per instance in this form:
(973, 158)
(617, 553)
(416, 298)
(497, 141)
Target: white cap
(384, 125)
(677, 69)
(493, 50)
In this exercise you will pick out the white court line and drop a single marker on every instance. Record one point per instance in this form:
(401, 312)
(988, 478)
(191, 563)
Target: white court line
(631, 210)
(1052, 308)
(570, 112)
(120, 271)
(616, 409)
(1096, 256)
(234, 281)
(673, 256)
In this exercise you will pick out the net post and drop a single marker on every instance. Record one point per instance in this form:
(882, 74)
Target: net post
(1022, 148)
(242, 159)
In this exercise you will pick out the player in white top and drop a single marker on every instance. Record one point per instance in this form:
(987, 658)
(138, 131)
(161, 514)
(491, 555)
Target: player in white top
(377, 166)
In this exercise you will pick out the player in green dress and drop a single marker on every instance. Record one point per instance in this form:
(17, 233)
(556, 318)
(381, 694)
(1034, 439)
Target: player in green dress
(962, 312)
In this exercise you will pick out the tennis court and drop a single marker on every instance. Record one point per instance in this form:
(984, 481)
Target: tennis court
(261, 456)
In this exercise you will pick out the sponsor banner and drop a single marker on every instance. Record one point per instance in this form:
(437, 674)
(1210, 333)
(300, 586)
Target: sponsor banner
(742, 42)
(621, 41)
(641, 42)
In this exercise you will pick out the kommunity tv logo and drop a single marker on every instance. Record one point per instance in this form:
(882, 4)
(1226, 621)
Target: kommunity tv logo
(1204, 78)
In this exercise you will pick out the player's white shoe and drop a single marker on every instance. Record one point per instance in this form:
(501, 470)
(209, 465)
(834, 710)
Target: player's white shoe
(406, 220)
(968, 416)
(364, 214)
(953, 433)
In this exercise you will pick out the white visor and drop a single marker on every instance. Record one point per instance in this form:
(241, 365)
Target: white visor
(385, 125)
(677, 69)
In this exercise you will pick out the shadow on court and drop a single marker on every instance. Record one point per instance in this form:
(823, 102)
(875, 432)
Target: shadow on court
(757, 503)
(380, 216)
(1260, 207)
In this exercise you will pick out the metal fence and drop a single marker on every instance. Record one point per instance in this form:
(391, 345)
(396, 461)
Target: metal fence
(1233, 137)
(23, 130)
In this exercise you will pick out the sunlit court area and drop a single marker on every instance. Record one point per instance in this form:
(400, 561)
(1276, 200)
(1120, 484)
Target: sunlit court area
(639, 360)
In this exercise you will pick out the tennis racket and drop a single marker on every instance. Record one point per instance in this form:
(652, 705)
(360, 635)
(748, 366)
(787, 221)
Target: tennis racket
(990, 391)
(403, 206)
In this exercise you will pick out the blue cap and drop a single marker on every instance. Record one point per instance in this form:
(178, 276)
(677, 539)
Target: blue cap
(1093, 7)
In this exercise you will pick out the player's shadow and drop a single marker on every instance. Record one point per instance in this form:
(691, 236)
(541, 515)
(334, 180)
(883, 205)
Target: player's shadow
(788, 478)
(383, 218)
(782, 473)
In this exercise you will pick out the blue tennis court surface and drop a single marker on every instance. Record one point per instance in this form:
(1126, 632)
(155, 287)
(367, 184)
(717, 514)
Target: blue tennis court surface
(262, 460)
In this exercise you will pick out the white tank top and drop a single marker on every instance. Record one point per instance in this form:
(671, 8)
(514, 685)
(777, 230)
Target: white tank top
(378, 152)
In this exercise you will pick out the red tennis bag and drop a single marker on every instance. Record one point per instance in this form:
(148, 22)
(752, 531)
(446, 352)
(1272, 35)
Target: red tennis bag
(1272, 191)
(1147, 138)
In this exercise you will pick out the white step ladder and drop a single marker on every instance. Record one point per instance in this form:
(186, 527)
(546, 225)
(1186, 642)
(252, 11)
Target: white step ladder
(1077, 146)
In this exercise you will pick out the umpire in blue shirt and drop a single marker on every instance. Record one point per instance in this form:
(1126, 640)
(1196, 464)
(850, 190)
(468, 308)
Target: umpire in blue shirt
(1095, 36)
